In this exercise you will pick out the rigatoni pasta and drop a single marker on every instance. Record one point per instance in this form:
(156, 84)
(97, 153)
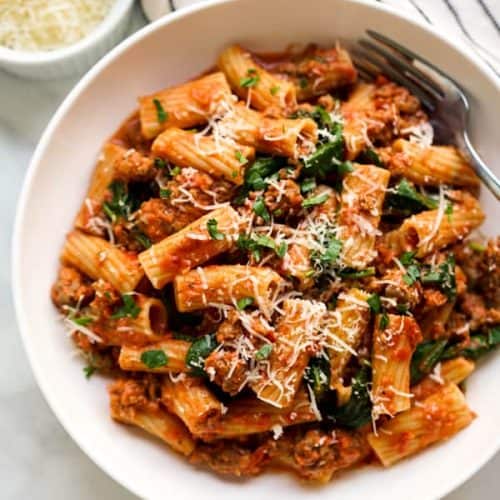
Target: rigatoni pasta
(183, 106)
(433, 229)
(207, 285)
(99, 259)
(279, 136)
(135, 358)
(251, 416)
(188, 149)
(438, 417)
(190, 247)
(250, 81)
(273, 274)
(191, 401)
(360, 212)
(394, 341)
(345, 327)
(431, 166)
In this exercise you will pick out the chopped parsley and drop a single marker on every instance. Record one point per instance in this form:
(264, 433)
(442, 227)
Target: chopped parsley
(281, 249)
(344, 168)
(303, 83)
(264, 352)
(274, 90)
(161, 114)
(214, 233)
(426, 356)
(243, 303)
(308, 185)
(160, 163)
(443, 277)
(327, 257)
(260, 209)
(317, 375)
(355, 275)
(384, 321)
(322, 161)
(239, 156)
(142, 239)
(155, 358)
(251, 80)
(129, 309)
(412, 274)
(477, 247)
(255, 243)
(330, 150)
(412, 265)
(198, 352)
(175, 171)
(89, 370)
(374, 303)
(121, 204)
(407, 258)
(315, 200)
(260, 169)
(402, 308)
(165, 193)
(449, 211)
(256, 176)
(82, 320)
(404, 200)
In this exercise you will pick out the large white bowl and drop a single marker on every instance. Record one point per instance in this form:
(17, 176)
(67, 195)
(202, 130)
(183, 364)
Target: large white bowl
(168, 52)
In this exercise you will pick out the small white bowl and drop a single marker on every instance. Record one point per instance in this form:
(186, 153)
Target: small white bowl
(75, 58)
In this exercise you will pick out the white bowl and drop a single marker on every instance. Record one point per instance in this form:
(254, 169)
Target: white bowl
(75, 58)
(170, 51)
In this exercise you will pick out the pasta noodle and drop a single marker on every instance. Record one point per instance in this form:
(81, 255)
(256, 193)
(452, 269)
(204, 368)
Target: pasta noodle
(187, 149)
(393, 348)
(431, 166)
(287, 362)
(184, 106)
(251, 81)
(225, 285)
(251, 416)
(438, 417)
(432, 230)
(131, 357)
(270, 135)
(101, 260)
(360, 212)
(189, 247)
(346, 326)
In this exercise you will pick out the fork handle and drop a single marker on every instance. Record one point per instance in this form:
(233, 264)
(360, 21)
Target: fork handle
(482, 170)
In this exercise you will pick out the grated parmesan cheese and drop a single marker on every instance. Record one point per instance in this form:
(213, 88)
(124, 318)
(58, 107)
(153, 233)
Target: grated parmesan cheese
(35, 25)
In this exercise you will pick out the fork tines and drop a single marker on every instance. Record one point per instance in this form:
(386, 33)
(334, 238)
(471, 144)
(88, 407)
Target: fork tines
(381, 55)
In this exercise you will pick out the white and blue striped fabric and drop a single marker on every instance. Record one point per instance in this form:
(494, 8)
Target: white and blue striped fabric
(474, 23)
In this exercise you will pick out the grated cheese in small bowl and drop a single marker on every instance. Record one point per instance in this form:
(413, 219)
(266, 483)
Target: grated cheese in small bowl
(42, 25)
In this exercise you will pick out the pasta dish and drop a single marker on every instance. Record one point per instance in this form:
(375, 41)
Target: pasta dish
(272, 264)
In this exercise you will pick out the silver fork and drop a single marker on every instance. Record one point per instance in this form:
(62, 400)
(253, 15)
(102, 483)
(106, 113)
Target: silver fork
(439, 94)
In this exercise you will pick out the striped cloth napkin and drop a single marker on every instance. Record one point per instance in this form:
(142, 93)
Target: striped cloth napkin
(473, 23)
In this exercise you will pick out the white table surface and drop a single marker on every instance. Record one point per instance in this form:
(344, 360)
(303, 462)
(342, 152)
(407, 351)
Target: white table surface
(38, 460)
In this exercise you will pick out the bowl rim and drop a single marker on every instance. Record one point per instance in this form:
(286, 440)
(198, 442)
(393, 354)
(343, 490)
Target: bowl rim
(23, 316)
(118, 11)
